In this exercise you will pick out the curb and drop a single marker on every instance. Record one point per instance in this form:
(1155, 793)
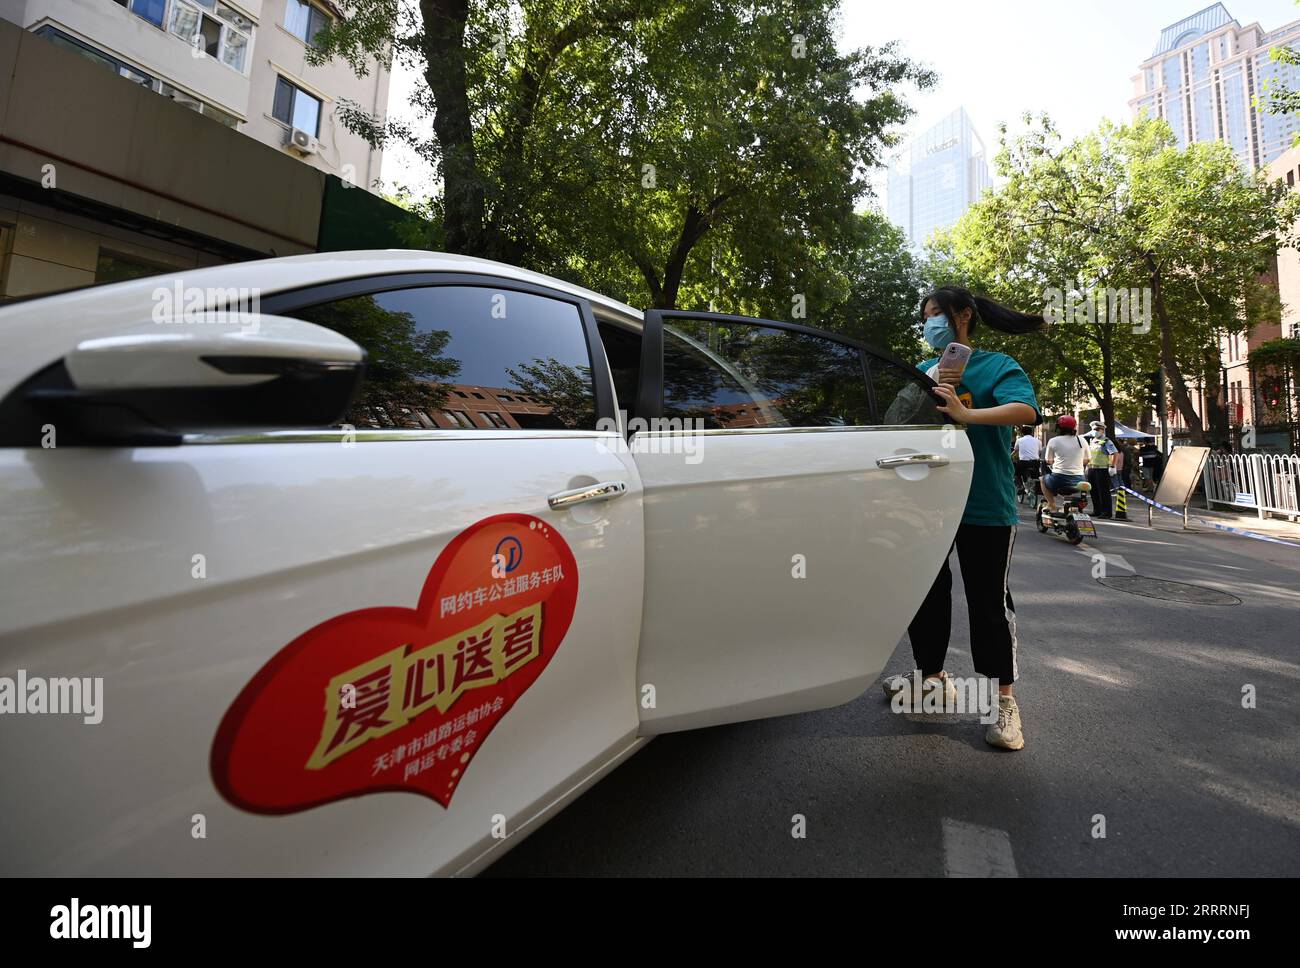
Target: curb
(1219, 527)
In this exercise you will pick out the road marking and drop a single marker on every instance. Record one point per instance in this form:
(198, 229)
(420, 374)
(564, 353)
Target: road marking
(1112, 526)
(970, 850)
(1108, 556)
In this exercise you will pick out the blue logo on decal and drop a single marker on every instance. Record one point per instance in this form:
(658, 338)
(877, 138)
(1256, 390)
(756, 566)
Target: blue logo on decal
(510, 553)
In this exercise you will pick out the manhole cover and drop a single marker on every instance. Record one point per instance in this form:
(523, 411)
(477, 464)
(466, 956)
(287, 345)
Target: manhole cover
(1169, 591)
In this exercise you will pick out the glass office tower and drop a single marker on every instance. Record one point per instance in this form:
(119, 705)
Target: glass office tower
(937, 178)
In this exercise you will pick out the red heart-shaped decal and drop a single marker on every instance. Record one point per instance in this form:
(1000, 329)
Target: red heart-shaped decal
(400, 699)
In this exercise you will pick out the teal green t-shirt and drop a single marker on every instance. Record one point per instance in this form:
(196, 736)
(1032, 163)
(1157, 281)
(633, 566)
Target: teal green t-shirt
(990, 380)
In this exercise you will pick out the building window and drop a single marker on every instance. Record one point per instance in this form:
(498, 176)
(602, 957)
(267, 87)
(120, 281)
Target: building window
(150, 10)
(296, 108)
(197, 106)
(304, 20)
(90, 53)
(123, 69)
(218, 30)
(115, 267)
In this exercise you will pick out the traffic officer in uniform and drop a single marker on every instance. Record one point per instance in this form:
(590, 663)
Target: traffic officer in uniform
(1101, 452)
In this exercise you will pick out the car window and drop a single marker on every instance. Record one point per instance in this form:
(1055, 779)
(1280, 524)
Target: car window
(465, 358)
(901, 396)
(623, 352)
(734, 375)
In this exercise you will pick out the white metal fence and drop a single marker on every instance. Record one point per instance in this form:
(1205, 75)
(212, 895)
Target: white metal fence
(1265, 483)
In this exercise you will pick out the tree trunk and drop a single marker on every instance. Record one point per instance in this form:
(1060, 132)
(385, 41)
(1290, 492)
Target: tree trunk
(1216, 414)
(1182, 399)
(463, 194)
(1107, 399)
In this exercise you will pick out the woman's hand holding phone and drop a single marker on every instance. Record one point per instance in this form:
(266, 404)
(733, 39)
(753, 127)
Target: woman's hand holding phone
(948, 375)
(952, 364)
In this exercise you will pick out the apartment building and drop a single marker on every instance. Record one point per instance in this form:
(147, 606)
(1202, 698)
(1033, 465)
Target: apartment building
(242, 63)
(109, 169)
(1204, 77)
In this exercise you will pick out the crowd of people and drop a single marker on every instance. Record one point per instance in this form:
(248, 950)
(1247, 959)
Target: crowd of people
(1069, 458)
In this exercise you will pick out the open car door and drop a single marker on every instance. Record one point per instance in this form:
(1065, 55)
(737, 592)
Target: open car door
(801, 492)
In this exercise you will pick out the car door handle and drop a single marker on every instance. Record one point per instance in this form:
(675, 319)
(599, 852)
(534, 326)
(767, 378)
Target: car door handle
(605, 491)
(903, 460)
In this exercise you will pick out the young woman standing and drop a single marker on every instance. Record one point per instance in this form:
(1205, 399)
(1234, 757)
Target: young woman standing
(991, 396)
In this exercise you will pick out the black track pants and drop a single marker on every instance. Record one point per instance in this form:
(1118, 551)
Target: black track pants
(1099, 478)
(985, 556)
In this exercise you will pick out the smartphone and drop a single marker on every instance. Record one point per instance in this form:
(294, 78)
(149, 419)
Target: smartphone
(955, 356)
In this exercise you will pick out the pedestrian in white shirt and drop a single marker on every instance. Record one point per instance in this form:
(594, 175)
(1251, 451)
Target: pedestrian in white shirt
(1026, 452)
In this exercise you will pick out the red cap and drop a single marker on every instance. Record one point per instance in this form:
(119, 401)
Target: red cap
(1067, 423)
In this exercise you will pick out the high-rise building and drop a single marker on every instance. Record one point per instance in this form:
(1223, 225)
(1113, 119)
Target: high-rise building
(937, 177)
(1203, 79)
(242, 63)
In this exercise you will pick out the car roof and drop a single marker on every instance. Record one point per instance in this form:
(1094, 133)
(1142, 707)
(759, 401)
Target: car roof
(40, 330)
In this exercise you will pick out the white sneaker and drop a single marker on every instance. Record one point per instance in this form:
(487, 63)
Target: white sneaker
(1006, 731)
(905, 686)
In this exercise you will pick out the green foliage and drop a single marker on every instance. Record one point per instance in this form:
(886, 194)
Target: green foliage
(566, 390)
(884, 285)
(685, 154)
(1123, 208)
(1284, 351)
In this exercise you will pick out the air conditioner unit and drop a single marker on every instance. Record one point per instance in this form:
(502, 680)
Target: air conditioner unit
(303, 143)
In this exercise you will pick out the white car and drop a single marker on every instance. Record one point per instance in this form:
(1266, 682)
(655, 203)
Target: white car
(348, 563)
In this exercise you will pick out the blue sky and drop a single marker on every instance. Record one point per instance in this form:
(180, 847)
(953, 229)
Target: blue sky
(998, 58)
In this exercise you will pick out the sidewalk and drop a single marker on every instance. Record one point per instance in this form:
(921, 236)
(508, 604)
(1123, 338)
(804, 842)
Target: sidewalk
(1246, 521)
(1214, 521)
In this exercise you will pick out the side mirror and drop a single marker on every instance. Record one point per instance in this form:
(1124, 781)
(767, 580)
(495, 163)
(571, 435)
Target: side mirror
(150, 384)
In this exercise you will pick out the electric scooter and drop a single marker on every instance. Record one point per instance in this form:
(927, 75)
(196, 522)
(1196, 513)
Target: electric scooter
(1071, 519)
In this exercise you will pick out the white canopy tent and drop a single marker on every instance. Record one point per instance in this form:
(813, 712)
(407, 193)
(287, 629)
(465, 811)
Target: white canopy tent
(1125, 432)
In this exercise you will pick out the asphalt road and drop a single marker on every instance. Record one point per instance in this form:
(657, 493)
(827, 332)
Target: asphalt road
(1132, 709)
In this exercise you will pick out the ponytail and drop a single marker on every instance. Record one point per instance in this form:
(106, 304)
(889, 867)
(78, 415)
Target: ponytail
(1005, 319)
(953, 299)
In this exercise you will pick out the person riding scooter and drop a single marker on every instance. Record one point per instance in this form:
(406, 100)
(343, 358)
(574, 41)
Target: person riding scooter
(1065, 455)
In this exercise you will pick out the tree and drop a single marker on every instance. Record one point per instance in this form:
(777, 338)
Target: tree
(884, 281)
(652, 151)
(1123, 209)
(406, 369)
(733, 154)
(1204, 230)
(1038, 243)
